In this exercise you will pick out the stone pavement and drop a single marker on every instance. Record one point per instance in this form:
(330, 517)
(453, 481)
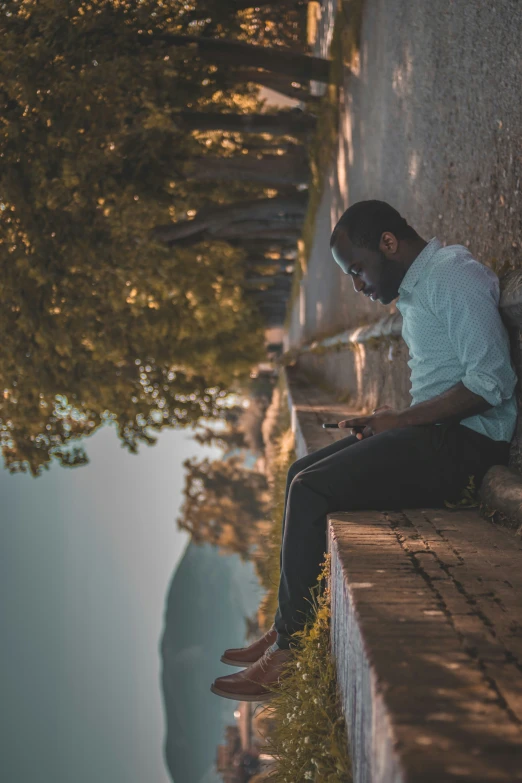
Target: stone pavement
(427, 636)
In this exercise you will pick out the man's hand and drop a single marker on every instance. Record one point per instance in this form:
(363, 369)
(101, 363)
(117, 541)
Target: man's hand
(383, 418)
(451, 406)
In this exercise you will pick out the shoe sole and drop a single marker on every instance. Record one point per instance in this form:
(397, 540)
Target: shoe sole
(240, 664)
(241, 696)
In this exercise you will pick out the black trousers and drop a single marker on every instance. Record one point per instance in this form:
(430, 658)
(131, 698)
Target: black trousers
(408, 467)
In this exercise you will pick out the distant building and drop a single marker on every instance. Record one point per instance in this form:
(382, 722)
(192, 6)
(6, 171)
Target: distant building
(227, 752)
(238, 759)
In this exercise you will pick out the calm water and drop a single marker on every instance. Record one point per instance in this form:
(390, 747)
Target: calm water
(89, 558)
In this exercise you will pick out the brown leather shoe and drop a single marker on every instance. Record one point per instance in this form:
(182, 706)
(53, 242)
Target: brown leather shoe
(251, 684)
(246, 656)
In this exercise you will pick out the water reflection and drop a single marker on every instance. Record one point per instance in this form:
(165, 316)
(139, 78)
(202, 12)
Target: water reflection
(209, 597)
(86, 556)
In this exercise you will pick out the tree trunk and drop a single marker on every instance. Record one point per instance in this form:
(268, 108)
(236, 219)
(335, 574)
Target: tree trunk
(301, 67)
(259, 265)
(284, 123)
(213, 219)
(242, 5)
(273, 81)
(279, 282)
(268, 297)
(255, 249)
(290, 229)
(272, 169)
(262, 146)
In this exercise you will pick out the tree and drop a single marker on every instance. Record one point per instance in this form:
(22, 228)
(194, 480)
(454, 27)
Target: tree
(270, 169)
(99, 321)
(209, 221)
(236, 53)
(224, 504)
(239, 5)
(67, 369)
(289, 123)
(227, 439)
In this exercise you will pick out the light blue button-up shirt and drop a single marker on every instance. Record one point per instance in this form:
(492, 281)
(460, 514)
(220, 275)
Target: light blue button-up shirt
(453, 330)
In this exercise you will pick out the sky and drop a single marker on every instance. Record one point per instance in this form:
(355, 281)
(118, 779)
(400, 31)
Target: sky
(86, 558)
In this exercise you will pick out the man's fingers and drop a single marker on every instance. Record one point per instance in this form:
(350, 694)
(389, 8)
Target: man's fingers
(361, 421)
(359, 426)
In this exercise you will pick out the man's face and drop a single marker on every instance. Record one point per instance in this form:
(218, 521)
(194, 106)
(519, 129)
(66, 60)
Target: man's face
(376, 273)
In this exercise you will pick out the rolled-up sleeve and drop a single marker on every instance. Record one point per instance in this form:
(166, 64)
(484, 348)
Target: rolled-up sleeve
(466, 299)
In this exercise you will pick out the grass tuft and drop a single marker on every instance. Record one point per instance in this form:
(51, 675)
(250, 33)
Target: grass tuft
(304, 727)
(308, 738)
(282, 455)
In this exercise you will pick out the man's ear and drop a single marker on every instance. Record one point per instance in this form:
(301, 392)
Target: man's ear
(389, 243)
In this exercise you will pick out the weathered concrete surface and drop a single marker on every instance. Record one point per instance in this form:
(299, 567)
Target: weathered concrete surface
(310, 406)
(427, 636)
(364, 376)
(390, 326)
(366, 366)
(432, 123)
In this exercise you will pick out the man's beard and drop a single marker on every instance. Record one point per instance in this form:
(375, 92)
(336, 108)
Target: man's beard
(391, 278)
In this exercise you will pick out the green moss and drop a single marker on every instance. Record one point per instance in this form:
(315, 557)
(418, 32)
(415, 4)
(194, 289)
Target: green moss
(345, 398)
(372, 344)
(307, 731)
(500, 267)
(498, 518)
(289, 358)
(468, 499)
(382, 341)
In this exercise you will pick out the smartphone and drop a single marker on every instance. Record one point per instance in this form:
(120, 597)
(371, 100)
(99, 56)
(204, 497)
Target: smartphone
(332, 425)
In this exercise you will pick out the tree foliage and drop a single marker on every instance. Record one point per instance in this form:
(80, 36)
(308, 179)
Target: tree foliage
(99, 320)
(224, 505)
(227, 439)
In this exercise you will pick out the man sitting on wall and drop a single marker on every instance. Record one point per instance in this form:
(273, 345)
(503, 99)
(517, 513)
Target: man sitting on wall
(460, 422)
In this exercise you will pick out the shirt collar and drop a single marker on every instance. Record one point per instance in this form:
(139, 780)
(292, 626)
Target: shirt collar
(414, 272)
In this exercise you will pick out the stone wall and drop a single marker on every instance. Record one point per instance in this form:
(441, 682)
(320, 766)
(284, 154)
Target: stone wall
(365, 375)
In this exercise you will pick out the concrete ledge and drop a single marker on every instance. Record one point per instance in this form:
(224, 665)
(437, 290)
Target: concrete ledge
(391, 325)
(426, 634)
(388, 327)
(310, 406)
(426, 631)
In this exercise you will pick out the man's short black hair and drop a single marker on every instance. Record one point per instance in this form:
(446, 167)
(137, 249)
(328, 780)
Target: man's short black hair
(366, 221)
